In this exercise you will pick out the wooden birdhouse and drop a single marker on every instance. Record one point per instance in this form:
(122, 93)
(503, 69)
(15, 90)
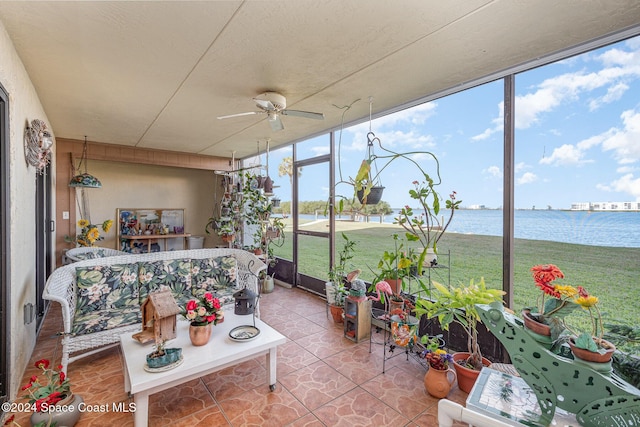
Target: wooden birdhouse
(159, 312)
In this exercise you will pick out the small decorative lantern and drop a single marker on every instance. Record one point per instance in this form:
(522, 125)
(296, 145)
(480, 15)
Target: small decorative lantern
(246, 301)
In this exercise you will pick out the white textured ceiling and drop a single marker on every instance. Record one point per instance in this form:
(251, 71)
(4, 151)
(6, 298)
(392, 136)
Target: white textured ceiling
(156, 74)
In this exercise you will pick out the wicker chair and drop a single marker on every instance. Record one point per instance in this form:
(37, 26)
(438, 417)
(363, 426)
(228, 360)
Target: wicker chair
(91, 252)
(61, 287)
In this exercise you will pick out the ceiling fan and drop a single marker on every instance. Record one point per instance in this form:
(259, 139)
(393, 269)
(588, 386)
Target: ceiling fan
(274, 105)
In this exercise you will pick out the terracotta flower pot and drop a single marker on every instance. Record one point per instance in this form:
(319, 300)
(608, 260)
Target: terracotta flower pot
(395, 305)
(336, 312)
(534, 325)
(466, 377)
(592, 356)
(200, 335)
(438, 383)
(396, 285)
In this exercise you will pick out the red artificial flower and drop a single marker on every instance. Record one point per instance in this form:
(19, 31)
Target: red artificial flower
(192, 305)
(61, 376)
(42, 364)
(548, 289)
(33, 379)
(27, 386)
(208, 296)
(583, 292)
(546, 273)
(211, 318)
(40, 402)
(216, 304)
(54, 398)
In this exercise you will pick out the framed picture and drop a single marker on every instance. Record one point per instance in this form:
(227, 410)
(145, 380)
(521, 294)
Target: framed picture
(143, 230)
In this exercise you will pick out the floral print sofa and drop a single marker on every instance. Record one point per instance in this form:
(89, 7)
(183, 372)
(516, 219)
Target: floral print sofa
(101, 297)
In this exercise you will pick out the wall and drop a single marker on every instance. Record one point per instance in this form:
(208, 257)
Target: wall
(136, 178)
(126, 185)
(24, 106)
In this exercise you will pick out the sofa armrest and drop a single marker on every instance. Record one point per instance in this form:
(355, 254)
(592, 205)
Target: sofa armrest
(61, 288)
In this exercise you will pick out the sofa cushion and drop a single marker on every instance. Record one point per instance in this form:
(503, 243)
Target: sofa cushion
(174, 274)
(106, 289)
(101, 320)
(218, 275)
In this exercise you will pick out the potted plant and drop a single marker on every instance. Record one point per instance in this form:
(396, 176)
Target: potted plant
(426, 228)
(162, 357)
(335, 285)
(202, 312)
(458, 305)
(547, 319)
(50, 389)
(440, 376)
(393, 267)
(590, 346)
(339, 292)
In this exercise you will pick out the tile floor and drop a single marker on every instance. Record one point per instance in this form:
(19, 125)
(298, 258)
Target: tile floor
(323, 379)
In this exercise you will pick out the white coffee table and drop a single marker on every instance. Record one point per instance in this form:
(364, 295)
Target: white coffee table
(219, 353)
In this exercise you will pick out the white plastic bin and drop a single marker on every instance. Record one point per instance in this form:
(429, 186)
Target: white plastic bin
(196, 242)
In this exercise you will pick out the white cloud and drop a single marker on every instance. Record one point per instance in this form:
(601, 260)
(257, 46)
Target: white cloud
(527, 178)
(319, 151)
(617, 65)
(624, 142)
(625, 184)
(613, 94)
(494, 171)
(520, 166)
(417, 115)
(625, 169)
(566, 154)
(497, 125)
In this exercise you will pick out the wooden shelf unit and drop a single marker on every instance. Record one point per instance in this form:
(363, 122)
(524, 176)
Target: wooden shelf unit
(357, 319)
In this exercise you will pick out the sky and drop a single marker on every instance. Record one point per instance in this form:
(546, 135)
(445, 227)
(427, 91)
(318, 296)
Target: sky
(577, 139)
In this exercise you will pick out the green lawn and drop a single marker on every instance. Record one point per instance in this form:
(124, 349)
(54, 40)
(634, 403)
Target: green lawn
(611, 274)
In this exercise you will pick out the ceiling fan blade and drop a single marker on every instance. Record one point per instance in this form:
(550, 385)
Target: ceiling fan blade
(275, 122)
(240, 114)
(265, 104)
(305, 114)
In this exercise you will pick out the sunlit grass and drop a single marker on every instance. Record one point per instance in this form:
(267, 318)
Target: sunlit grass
(611, 274)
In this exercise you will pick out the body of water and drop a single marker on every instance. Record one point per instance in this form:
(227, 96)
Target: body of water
(620, 229)
(617, 229)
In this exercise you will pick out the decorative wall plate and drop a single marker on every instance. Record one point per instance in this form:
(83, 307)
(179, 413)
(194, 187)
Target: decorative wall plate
(244, 333)
(37, 145)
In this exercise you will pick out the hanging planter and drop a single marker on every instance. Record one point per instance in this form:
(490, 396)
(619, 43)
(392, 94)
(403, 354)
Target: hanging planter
(373, 198)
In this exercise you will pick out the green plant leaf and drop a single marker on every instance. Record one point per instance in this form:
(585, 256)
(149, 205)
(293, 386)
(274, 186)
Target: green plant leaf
(586, 342)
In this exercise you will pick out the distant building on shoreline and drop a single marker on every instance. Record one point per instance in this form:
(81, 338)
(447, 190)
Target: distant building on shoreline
(605, 206)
